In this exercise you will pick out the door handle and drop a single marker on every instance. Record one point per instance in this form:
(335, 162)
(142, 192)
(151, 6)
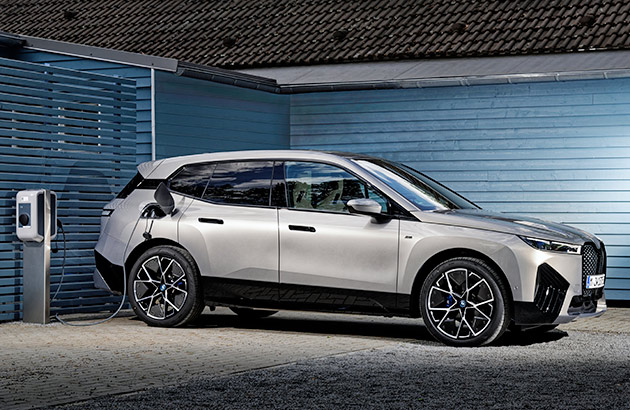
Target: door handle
(301, 228)
(211, 221)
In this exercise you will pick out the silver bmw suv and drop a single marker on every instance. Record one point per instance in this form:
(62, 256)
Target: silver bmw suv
(259, 231)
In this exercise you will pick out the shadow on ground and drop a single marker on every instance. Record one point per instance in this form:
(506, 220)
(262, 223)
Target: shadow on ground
(525, 339)
(411, 331)
(321, 325)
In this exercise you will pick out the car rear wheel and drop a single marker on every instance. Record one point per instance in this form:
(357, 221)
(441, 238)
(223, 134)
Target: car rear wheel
(248, 313)
(164, 287)
(464, 302)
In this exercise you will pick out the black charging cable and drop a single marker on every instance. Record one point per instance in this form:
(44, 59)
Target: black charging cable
(63, 264)
(63, 269)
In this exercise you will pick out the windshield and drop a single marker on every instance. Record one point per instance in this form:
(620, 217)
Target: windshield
(424, 192)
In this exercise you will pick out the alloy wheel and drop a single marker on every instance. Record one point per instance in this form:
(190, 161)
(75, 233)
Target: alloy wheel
(160, 287)
(460, 304)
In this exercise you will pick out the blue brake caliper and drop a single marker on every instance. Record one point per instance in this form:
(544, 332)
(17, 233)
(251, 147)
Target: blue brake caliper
(449, 301)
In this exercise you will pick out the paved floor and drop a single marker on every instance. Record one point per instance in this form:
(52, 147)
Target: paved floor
(56, 364)
(556, 370)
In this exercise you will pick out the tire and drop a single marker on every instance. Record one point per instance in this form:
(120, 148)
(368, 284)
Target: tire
(164, 287)
(464, 302)
(247, 313)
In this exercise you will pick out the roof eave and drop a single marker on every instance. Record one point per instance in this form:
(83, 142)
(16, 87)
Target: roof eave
(96, 53)
(268, 83)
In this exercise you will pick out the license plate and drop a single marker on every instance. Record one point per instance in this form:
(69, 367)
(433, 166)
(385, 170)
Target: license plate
(595, 281)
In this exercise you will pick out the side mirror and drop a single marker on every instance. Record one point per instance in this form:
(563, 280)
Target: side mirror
(364, 206)
(164, 199)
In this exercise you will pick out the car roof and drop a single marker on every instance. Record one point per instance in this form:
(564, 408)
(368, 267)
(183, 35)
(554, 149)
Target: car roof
(165, 167)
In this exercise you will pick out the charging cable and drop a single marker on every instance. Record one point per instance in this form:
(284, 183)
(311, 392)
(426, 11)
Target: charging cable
(63, 268)
(63, 264)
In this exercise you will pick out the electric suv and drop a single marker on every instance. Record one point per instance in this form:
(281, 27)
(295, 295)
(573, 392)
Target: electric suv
(259, 231)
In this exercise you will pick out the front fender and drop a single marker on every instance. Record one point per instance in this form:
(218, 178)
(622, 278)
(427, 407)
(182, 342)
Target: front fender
(421, 241)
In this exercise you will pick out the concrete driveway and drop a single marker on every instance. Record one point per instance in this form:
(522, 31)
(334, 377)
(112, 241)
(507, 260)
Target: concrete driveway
(56, 364)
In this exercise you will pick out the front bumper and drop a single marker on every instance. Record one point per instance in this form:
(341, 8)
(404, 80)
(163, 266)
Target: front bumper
(583, 307)
(563, 297)
(528, 313)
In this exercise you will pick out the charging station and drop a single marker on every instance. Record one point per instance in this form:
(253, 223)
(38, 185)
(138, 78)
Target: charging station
(36, 225)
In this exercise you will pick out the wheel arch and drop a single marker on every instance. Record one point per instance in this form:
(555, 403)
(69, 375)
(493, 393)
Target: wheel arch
(142, 247)
(443, 256)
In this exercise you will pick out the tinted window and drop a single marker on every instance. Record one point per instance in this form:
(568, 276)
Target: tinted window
(325, 187)
(242, 183)
(192, 179)
(131, 185)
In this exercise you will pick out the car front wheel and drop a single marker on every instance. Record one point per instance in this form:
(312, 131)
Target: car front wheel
(464, 302)
(164, 287)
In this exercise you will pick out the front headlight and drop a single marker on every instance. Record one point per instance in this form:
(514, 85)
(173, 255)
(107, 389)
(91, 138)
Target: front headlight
(545, 245)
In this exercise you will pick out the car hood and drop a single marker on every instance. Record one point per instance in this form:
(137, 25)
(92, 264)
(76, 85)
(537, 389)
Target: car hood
(507, 223)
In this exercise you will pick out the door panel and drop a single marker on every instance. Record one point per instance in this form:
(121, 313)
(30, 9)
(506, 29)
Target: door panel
(322, 244)
(232, 231)
(236, 242)
(338, 250)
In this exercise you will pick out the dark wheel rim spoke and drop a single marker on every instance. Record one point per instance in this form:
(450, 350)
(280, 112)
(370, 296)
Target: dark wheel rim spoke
(160, 287)
(460, 304)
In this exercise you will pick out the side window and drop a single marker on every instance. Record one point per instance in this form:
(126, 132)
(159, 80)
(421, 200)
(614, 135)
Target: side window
(380, 199)
(325, 187)
(192, 179)
(240, 183)
(131, 185)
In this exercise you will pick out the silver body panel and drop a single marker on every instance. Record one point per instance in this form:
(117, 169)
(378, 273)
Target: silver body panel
(346, 251)
(243, 246)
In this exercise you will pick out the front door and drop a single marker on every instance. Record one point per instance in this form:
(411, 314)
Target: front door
(323, 247)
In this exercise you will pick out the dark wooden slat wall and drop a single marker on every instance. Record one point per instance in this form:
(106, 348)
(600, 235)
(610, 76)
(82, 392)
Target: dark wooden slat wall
(88, 68)
(73, 132)
(194, 116)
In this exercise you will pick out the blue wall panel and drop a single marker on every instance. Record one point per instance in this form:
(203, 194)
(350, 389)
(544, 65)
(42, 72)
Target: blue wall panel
(142, 77)
(75, 133)
(195, 116)
(558, 151)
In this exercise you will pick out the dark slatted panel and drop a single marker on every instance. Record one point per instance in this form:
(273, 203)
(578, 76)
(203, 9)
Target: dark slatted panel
(75, 133)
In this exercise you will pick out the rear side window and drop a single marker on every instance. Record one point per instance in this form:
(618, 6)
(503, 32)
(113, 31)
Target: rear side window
(131, 185)
(241, 183)
(192, 179)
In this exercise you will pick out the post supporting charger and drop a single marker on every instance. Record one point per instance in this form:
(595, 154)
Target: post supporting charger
(36, 225)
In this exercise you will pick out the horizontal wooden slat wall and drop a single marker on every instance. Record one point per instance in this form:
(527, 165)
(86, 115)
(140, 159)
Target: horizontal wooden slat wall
(194, 116)
(73, 132)
(558, 150)
(141, 75)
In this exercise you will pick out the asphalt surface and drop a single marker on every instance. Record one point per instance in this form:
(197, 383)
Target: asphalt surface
(557, 370)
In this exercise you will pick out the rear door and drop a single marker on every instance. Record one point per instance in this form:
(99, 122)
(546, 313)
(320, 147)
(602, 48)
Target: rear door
(230, 227)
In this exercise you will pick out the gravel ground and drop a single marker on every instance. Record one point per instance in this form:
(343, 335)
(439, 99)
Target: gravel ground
(557, 370)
